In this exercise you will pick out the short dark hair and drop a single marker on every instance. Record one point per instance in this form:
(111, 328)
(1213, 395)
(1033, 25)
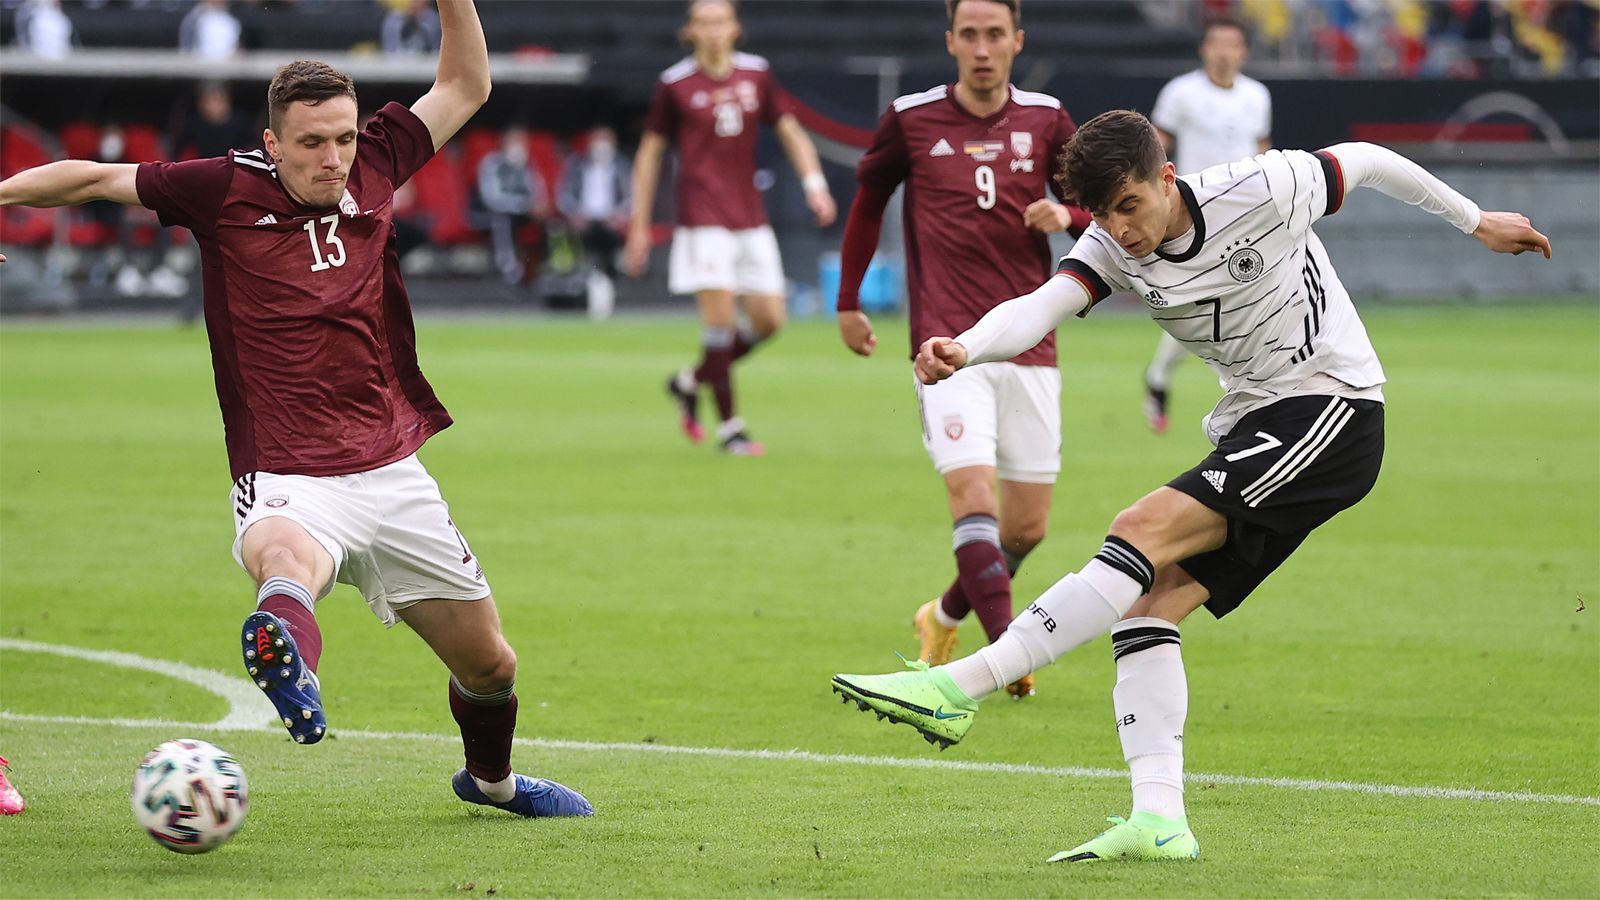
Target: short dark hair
(1014, 5)
(1224, 21)
(308, 81)
(1107, 151)
(732, 4)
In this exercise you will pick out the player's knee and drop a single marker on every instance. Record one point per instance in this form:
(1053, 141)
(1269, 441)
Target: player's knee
(1136, 525)
(492, 671)
(281, 560)
(972, 497)
(1021, 541)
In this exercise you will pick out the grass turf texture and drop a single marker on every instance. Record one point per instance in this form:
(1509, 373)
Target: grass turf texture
(664, 594)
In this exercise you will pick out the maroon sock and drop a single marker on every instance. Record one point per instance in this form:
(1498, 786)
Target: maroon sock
(954, 602)
(714, 373)
(487, 723)
(301, 623)
(987, 584)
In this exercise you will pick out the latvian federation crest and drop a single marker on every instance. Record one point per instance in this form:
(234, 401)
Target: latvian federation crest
(1021, 150)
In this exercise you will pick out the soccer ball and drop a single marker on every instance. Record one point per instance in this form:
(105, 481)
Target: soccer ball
(190, 796)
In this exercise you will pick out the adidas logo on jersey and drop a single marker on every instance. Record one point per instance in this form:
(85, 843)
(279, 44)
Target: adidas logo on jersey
(1215, 478)
(942, 148)
(268, 219)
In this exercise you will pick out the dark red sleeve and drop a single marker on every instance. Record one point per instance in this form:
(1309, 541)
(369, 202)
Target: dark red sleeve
(775, 101)
(885, 163)
(396, 143)
(1064, 130)
(663, 116)
(189, 194)
(861, 230)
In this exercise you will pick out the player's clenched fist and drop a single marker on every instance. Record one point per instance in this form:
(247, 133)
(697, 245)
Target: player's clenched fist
(938, 359)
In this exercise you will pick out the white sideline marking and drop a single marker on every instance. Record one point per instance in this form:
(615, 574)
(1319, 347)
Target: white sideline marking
(247, 706)
(244, 701)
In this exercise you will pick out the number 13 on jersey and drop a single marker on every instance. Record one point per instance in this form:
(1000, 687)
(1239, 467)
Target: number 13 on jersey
(336, 257)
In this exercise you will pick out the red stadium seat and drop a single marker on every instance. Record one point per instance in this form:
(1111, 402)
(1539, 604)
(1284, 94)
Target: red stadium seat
(22, 226)
(442, 196)
(144, 143)
(80, 140)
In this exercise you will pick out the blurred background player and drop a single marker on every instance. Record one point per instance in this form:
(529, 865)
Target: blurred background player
(323, 403)
(723, 250)
(976, 159)
(1208, 117)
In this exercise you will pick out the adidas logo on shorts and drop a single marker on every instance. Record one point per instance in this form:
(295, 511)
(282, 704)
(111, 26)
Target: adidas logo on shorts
(1215, 478)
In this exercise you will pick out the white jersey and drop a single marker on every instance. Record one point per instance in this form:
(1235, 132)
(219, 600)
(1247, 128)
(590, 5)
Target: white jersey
(1212, 124)
(1250, 289)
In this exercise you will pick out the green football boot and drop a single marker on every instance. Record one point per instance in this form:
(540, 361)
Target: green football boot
(926, 699)
(1145, 836)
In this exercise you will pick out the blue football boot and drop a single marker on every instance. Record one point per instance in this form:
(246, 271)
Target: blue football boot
(274, 664)
(537, 798)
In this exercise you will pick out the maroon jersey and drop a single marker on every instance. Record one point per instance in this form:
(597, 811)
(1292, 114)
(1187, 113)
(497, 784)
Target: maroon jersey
(968, 181)
(311, 336)
(713, 125)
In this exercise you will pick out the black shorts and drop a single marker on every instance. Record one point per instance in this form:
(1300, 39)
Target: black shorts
(1283, 470)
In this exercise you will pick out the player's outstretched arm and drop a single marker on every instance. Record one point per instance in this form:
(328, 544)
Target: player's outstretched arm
(1005, 331)
(646, 175)
(1389, 173)
(70, 182)
(803, 156)
(462, 84)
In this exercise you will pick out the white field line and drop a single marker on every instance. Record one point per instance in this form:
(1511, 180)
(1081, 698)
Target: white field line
(243, 698)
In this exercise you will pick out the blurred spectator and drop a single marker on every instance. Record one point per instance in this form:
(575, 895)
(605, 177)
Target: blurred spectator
(209, 31)
(412, 30)
(115, 219)
(214, 128)
(43, 29)
(594, 198)
(514, 196)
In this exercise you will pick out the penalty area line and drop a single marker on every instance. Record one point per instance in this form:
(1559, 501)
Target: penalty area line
(847, 759)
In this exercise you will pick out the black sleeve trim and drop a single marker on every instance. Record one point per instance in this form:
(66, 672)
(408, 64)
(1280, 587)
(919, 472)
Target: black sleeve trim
(1088, 277)
(1333, 175)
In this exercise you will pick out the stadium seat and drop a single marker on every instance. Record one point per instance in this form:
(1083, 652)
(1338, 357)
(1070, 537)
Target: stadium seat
(442, 198)
(22, 226)
(80, 140)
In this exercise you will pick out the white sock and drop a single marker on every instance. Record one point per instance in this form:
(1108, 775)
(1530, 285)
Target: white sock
(942, 617)
(1073, 611)
(1151, 700)
(498, 791)
(1168, 354)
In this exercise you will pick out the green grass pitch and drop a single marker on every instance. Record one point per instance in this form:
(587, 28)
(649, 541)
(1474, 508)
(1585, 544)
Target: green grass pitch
(663, 597)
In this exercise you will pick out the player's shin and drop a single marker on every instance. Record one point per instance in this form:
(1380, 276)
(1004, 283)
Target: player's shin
(982, 572)
(294, 603)
(1075, 610)
(713, 371)
(487, 723)
(1151, 700)
(746, 340)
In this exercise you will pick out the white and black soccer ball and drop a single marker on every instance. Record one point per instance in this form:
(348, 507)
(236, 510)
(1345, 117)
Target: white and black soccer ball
(190, 796)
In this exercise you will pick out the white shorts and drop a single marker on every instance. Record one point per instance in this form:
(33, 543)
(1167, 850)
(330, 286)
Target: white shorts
(709, 258)
(388, 530)
(996, 414)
